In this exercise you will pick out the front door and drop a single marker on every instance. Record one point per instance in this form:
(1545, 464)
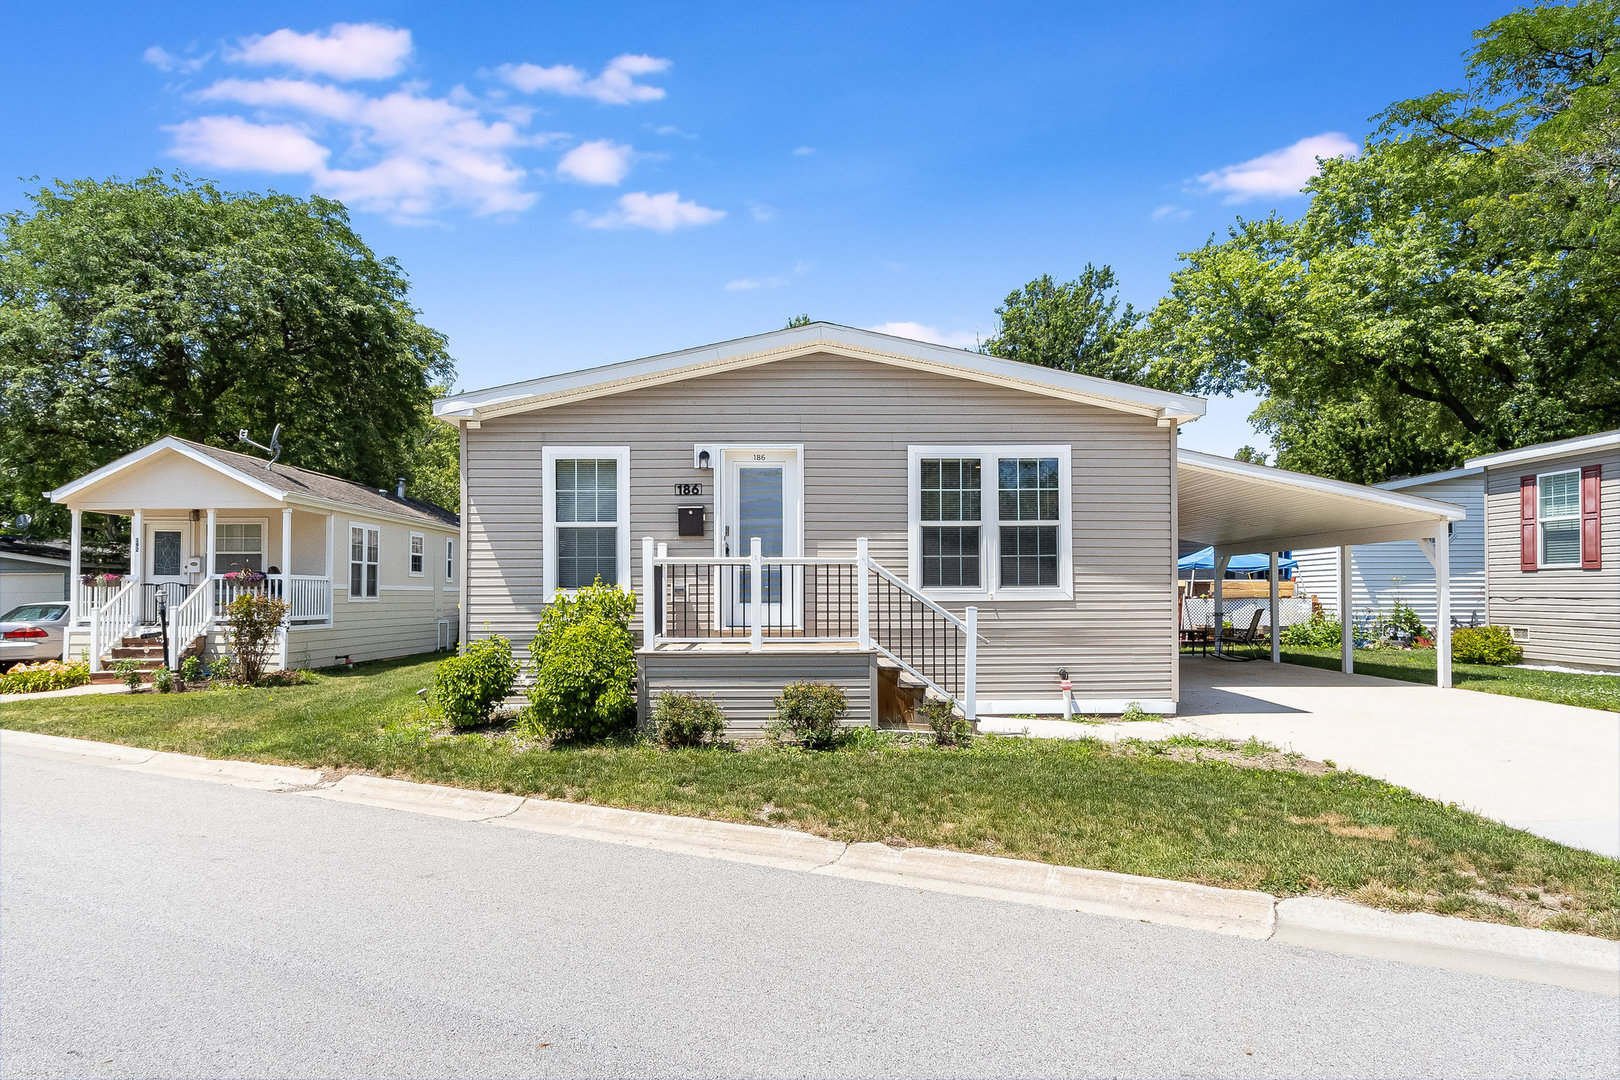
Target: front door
(166, 551)
(759, 497)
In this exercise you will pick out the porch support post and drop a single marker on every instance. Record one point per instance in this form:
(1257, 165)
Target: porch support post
(1219, 616)
(208, 567)
(863, 594)
(331, 565)
(75, 567)
(135, 546)
(1276, 607)
(286, 576)
(756, 596)
(649, 625)
(1347, 636)
(970, 670)
(1442, 605)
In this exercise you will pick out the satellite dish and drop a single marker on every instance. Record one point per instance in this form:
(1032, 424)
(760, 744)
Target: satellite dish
(22, 521)
(274, 449)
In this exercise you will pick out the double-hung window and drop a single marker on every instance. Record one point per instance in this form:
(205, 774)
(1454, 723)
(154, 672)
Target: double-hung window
(365, 558)
(990, 521)
(449, 560)
(587, 495)
(418, 554)
(1558, 497)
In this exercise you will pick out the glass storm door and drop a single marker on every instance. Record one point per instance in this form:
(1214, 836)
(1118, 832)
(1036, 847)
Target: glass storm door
(761, 499)
(166, 550)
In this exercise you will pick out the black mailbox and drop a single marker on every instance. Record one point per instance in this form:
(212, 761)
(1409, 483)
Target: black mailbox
(690, 520)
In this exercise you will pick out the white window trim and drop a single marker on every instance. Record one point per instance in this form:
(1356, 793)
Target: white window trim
(449, 559)
(349, 564)
(1541, 539)
(410, 554)
(548, 486)
(990, 523)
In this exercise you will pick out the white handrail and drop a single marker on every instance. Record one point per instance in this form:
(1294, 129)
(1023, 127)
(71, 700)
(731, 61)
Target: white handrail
(189, 618)
(920, 598)
(309, 598)
(113, 620)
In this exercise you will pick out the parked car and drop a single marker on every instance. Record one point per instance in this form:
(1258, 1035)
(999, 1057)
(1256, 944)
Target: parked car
(32, 632)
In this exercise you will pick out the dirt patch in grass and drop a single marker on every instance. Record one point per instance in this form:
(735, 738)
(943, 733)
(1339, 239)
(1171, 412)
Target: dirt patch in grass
(1338, 826)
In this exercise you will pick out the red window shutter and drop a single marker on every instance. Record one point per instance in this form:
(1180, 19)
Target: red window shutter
(1527, 524)
(1591, 519)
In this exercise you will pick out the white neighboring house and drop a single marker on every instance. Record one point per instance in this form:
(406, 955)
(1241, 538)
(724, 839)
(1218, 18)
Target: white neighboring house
(31, 572)
(1398, 571)
(366, 573)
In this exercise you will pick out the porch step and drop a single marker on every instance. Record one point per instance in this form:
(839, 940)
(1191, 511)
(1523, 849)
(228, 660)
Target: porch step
(137, 652)
(105, 676)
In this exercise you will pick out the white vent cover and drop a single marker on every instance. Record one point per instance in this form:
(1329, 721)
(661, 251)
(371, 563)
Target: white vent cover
(1521, 633)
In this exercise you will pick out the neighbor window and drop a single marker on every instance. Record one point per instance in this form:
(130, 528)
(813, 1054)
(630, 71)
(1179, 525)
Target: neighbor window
(449, 560)
(238, 545)
(587, 518)
(1559, 515)
(990, 520)
(365, 551)
(418, 554)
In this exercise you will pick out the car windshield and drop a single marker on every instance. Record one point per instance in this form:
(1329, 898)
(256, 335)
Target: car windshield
(35, 613)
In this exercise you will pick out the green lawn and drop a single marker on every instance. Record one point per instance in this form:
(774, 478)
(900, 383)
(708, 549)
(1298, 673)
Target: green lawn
(1190, 811)
(1417, 665)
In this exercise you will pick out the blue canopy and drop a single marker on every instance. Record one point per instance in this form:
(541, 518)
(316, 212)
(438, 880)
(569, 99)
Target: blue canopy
(1237, 564)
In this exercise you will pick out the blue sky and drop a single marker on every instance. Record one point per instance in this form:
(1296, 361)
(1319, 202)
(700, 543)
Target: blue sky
(574, 184)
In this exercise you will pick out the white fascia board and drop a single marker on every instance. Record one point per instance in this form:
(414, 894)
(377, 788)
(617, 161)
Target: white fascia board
(1545, 450)
(781, 344)
(1428, 478)
(1306, 482)
(64, 562)
(316, 503)
(168, 442)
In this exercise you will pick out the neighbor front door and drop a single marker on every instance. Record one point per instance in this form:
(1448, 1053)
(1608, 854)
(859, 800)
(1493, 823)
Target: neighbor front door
(759, 497)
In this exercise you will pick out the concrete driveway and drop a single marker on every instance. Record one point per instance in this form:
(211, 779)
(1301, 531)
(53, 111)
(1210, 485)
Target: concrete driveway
(1553, 770)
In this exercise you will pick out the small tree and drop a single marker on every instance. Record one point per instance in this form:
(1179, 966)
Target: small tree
(585, 666)
(251, 622)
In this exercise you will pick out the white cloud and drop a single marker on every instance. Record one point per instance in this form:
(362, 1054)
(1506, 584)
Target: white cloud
(661, 213)
(347, 51)
(229, 142)
(1279, 173)
(775, 281)
(616, 85)
(671, 129)
(762, 211)
(803, 151)
(164, 60)
(600, 161)
(1171, 212)
(956, 339)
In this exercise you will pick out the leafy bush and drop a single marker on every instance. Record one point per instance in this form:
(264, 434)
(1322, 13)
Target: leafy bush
(131, 672)
(192, 668)
(1405, 620)
(811, 714)
(1134, 713)
(949, 729)
(1484, 645)
(467, 688)
(285, 677)
(251, 623)
(687, 720)
(50, 675)
(163, 680)
(1318, 632)
(585, 666)
(219, 669)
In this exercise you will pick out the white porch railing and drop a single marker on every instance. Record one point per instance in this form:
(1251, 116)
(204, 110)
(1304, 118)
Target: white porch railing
(187, 620)
(777, 601)
(91, 597)
(113, 619)
(309, 598)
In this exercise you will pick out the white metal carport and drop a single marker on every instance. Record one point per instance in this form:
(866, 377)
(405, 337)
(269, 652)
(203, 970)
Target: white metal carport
(1241, 508)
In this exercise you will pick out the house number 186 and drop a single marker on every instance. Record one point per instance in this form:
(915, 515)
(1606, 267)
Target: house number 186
(688, 489)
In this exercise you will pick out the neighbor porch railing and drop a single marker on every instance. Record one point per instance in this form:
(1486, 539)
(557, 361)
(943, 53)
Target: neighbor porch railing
(767, 602)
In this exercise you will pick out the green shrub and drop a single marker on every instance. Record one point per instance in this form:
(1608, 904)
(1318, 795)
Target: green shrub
(286, 677)
(219, 669)
(1134, 713)
(163, 680)
(50, 675)
(131, 672)
(584, 666)
(251, 623)
(811, 714)
(1318, 632)
(1406, 620)
(687, 720)
(949, 729)
(467, 688)
(1484, 645)
(192, 668)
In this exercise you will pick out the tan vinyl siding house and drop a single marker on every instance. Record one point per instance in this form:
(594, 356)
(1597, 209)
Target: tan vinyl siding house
(1564, 609)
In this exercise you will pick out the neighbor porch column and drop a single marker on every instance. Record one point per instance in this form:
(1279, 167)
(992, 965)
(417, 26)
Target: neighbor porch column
(74, 573)
(1442, 605)
(208, 567)
(1276, 626)
(1347, 637)
(135, 546)
(1219, 617)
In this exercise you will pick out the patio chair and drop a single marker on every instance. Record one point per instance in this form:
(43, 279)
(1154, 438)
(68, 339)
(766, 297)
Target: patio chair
(1234, 636)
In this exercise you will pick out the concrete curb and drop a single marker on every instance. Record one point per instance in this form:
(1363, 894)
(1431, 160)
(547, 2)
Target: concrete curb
(1508, 952)
(1567, 960)
(1236, 912)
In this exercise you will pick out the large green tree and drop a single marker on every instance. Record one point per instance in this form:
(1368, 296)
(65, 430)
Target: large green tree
(132, 310)
(1077, 326)
(1454, 289)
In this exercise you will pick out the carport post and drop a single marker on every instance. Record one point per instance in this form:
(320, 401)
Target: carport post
(1347, 636)
(1276, 630)
(1442, 605)
(1219, 618)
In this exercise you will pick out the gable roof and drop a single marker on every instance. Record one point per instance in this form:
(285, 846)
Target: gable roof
(1544, 450)
(819, 337)
(285, 482)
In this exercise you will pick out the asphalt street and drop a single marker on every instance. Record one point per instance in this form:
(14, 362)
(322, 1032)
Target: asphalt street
(157, 926)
